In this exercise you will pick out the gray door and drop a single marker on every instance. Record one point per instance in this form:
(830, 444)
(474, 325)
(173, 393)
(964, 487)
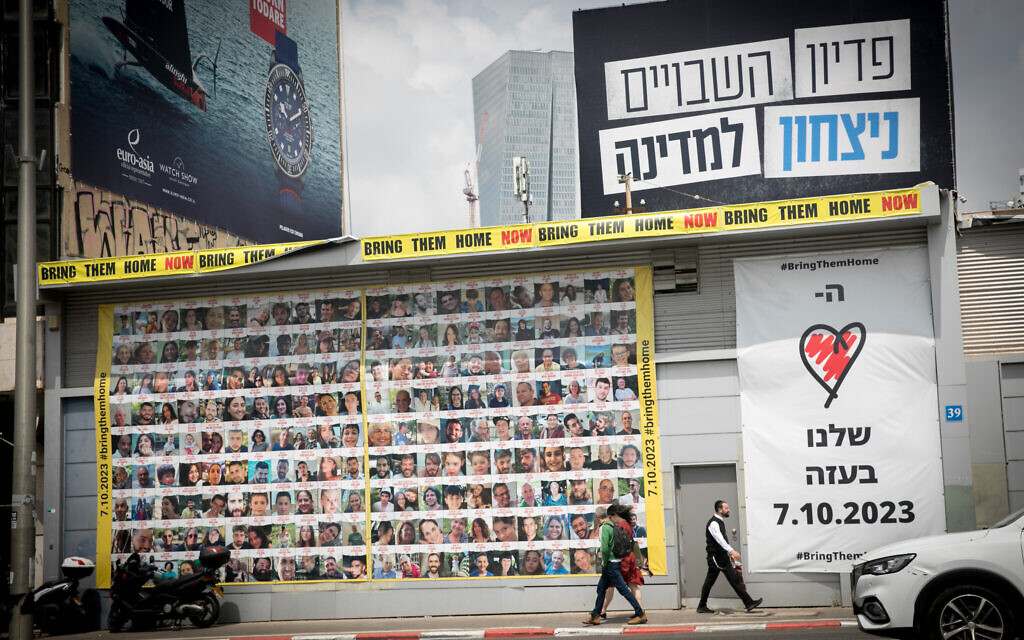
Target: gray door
(697, 488)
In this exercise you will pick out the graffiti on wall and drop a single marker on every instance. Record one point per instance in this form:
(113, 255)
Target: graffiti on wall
(96, 223)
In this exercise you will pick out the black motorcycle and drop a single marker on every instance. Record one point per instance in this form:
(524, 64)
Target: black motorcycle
(194, 597)
(56, 606)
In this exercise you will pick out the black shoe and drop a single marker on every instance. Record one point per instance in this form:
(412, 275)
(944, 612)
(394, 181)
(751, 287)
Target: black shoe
(604, 616)
(755, 604)
(704, 610)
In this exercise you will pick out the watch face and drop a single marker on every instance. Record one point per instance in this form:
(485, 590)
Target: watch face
(289, 128)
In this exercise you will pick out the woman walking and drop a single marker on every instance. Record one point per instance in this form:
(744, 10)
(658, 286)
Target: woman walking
(630, 568)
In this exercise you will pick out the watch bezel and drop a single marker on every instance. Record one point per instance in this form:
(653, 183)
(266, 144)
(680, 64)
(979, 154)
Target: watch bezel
(278, 72)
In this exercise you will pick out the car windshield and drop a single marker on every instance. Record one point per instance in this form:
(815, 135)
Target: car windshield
(1013, 517)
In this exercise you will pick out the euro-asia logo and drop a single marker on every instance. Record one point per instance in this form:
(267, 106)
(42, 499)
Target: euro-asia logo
(134, 157)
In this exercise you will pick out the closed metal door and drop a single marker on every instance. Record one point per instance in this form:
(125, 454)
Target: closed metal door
(697, 489)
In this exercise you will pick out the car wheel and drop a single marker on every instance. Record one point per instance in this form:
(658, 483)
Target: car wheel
(969, 612)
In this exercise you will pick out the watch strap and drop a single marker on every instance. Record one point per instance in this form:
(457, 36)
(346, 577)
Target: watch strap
(286, 51)
(288, 199)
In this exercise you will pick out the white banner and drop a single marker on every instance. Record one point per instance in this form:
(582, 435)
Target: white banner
(681, 151)
(689, 81)
(839, 405)
(852, 58)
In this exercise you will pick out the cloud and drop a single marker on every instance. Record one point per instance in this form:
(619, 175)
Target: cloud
(408, 68)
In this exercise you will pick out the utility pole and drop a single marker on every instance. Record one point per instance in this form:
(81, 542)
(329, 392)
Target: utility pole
(23, 473)
(627, 178)
(521, 182)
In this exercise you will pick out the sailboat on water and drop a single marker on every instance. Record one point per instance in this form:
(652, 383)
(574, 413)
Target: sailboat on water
(156, 34)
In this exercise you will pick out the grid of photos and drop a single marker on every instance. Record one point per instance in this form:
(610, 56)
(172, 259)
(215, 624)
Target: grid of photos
(500, 414)
(239, 422)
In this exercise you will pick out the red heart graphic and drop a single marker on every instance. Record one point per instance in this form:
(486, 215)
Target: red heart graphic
(828, 354)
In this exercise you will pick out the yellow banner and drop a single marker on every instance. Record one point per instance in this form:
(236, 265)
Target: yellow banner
(160, 264)
(104, 444)
(745, 217)
(210, 260)
(650, 429)
(411, 245)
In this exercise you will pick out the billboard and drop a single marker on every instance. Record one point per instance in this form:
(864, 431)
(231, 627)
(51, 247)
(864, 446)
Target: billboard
(227, 115)
(742, 102)
(836, 358)
(438, 430)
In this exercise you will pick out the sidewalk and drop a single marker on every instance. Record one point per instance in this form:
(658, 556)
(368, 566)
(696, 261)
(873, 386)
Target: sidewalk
(502, 626)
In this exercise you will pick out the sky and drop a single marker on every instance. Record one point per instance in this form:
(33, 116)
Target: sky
(408, 67)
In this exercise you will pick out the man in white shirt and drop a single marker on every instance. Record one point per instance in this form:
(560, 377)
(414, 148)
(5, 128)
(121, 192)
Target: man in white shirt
(721, 559)
(633, 498)
(384, 504)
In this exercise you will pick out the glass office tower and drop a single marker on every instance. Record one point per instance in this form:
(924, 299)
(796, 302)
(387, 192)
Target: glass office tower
(530, 101)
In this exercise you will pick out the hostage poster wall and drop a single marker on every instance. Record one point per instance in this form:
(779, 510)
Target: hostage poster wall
(838, 395)
(442, 430)
(252, 146)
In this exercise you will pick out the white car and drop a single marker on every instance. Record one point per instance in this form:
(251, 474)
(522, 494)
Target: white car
(955, 586)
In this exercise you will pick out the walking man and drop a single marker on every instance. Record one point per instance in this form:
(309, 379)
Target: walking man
(720, 560)
(611, 573)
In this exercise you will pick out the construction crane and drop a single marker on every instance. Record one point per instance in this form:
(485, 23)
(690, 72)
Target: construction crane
(473, 177)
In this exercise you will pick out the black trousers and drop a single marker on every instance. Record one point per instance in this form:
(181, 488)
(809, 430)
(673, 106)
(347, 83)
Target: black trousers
(730, 575)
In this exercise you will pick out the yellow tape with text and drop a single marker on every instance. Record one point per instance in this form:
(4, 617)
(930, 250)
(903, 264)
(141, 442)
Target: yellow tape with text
(747, 217)
(160, 264)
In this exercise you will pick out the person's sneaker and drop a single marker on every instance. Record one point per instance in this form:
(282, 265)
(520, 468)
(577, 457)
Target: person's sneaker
(704, 610)
(594, 620)
(604, 616)
(640, 619)
(755, 604)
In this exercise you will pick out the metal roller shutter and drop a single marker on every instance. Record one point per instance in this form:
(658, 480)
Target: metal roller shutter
(706, 319)
(547, 264)
(990, 262)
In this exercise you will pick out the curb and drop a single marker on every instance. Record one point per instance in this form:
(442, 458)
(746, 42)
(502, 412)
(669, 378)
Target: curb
(569, 631)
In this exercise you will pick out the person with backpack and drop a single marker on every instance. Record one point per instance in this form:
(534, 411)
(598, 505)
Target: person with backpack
(616, 544)
(619, 514)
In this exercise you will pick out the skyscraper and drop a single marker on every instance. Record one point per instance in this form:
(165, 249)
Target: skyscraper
(530, 101)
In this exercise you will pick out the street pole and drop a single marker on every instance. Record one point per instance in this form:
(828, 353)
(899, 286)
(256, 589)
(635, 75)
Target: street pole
(627, 179)
(23, 473)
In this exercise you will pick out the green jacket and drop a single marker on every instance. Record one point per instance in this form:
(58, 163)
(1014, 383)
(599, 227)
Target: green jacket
(607, 535)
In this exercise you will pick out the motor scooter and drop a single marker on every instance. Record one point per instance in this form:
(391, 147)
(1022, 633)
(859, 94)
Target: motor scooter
(56, 606)
(194, 597)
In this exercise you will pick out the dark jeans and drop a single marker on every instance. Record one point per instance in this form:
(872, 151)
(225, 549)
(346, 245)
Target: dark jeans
(730, 575)
(611, 576)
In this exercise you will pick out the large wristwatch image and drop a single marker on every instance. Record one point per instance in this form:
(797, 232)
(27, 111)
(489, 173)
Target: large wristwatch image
(289, 128)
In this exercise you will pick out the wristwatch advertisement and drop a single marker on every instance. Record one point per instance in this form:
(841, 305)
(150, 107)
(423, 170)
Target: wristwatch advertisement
(166, 112)
(289, 127)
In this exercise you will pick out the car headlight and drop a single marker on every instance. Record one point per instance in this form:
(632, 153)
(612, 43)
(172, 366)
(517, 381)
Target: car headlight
(887, 565)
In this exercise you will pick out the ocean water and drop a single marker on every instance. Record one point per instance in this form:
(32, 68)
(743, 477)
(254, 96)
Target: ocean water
(225, 147)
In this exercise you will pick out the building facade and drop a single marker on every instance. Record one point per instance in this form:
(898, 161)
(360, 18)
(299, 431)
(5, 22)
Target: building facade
(530, 102)
(696, 353)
